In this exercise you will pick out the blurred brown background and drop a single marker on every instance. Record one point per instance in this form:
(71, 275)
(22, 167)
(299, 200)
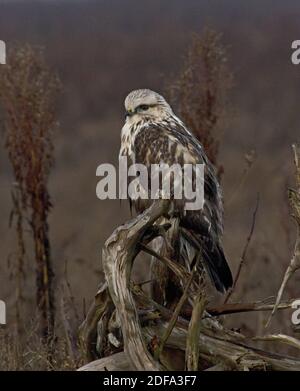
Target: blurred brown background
(102, 50)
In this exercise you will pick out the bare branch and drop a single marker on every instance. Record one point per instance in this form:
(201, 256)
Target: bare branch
(244, 254)
(116, 362)
(233, 308)
(192, 347)
(280, 338)
(175, 315)
(216, 350)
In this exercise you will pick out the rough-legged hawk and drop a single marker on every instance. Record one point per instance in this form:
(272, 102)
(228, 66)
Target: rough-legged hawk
(152, 134)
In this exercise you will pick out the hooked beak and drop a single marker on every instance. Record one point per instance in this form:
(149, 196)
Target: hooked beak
(128, 113)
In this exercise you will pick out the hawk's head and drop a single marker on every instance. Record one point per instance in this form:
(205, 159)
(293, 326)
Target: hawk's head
(143, 104)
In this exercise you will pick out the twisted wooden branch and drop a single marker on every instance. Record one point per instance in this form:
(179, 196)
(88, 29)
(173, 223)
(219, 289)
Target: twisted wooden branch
(117, 259)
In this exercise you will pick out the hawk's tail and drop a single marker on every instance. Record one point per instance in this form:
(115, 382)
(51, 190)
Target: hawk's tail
(216, 266)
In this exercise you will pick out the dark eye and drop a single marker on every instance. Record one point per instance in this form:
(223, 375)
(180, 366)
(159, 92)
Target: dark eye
(143, 107)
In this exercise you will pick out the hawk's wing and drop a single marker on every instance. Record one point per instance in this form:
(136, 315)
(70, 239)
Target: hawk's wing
(173, 144)
(155, 145)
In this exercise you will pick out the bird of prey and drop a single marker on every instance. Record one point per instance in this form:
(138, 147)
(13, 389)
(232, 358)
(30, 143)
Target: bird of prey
(153, 134)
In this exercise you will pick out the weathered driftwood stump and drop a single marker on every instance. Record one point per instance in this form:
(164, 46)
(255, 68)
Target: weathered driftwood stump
(126, 329)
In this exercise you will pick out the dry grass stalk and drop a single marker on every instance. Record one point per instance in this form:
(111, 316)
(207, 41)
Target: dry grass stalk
(27, 94)
(294, 199)
(201, 90)
(192, 347)
(250, 159)
(244, 253)
(33, 353)
(19, 269)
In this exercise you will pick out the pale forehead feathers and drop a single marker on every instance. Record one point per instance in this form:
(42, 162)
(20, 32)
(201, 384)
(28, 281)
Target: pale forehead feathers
(143, 97)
